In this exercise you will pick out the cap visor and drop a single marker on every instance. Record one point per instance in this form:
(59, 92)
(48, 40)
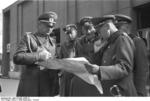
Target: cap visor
(47, 21)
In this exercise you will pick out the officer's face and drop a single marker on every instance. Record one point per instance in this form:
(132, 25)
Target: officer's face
(88, 28)
(125, 28)
(72, 34)
(104, 31)
(46, 28)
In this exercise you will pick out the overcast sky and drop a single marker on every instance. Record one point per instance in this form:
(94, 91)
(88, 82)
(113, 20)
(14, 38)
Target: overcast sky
(3, 4)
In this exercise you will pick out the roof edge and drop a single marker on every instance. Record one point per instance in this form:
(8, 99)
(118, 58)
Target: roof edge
(15, 3)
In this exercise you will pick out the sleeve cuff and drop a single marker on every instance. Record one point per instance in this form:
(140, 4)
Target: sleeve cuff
(99, 74)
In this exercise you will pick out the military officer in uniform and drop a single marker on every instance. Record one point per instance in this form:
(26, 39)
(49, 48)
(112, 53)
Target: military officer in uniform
(85, 49)
(33, 48)
(85, 42)
(115, 66)
(140, 70)
(67, 50)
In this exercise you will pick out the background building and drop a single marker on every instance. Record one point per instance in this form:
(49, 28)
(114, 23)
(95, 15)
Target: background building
(21, 17)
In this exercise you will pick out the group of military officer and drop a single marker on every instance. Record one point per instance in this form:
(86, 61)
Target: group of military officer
(117, 59)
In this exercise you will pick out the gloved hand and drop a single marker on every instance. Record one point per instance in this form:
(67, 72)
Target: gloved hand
(91, 68)
(44, 55)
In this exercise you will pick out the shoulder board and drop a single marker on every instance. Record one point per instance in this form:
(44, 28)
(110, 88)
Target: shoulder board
(28, 33)
(124, 33)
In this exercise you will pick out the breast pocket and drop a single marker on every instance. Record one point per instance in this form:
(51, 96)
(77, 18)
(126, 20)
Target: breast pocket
(109, 56)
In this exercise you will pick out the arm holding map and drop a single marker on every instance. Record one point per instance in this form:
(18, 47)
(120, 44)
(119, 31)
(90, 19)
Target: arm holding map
(68, 64)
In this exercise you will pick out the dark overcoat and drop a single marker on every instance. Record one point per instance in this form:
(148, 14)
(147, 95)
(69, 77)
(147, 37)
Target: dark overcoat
(116, 65)
(140, 65)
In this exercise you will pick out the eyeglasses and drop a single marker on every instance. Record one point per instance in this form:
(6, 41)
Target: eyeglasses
(68, 32)
(50, 26)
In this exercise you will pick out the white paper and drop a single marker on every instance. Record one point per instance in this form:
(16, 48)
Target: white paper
(75, 66)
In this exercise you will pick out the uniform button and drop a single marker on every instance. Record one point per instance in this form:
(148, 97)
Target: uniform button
(104, 61)
(108, 47)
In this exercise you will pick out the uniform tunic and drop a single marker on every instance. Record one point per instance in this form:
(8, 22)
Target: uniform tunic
(34, 81)
(84, 48)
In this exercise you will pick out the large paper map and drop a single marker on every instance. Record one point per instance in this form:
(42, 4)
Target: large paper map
(75, 66)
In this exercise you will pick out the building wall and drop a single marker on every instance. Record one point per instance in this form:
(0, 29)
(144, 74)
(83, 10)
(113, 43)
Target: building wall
(6, 40)
(13, 30)
(23, 16)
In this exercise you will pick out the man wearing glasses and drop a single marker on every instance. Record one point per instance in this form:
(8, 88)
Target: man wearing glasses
(67, 50)
(115, 66)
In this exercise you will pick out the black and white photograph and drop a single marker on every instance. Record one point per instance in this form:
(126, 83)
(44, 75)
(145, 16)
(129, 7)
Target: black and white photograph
(74, 48)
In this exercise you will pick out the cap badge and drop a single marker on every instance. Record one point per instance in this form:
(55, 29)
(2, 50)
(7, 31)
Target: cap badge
(51, 20)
